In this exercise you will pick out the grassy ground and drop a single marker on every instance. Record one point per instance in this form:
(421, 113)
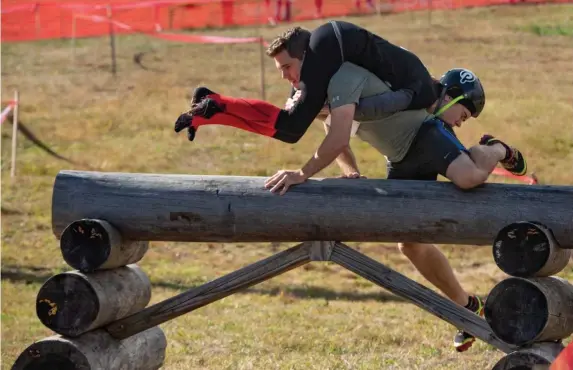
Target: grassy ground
(316, 317)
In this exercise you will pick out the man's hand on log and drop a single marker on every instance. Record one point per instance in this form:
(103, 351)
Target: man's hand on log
(284, 179)
(352, 175)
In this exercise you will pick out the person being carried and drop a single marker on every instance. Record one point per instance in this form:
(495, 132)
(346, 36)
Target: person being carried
(309, 60)
(417, 146)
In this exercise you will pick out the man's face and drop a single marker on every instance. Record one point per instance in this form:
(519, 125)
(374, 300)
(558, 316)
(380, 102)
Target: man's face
(289, 67)
(456, 114)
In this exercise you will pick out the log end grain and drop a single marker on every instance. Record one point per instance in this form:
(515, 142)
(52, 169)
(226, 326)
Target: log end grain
(521, 361)
(516, 311)
(539, 356)
(522, 311)
(92, 244)
(86, 244)
(67, 303)
(528, 249)
(51, 353)
(73, 303)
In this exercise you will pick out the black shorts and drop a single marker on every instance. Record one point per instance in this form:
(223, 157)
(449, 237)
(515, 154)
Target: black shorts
(433, 149)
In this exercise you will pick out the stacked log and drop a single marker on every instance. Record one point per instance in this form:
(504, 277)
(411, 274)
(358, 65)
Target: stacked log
(532, 309)
(106, 285)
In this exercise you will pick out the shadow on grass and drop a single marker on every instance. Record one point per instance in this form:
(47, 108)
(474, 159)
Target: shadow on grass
(39, 275)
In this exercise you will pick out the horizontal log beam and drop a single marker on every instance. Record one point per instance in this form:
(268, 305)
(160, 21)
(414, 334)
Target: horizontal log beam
(193, 208)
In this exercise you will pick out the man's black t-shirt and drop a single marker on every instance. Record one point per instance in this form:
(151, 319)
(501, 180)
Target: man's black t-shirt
(324, 56)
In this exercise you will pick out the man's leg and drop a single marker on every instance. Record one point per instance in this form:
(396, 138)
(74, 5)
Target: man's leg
(431, 153)
(434, 266)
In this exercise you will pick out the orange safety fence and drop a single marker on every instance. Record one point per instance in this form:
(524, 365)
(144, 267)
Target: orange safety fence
(49, 20)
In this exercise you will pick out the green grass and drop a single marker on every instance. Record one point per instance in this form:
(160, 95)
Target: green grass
(318, 316)
(551, 30)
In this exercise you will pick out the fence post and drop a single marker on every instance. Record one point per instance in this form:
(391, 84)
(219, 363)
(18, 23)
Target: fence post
(111, 40)
(37, 19)
(74, 19)
(14, 133)
(262, 52)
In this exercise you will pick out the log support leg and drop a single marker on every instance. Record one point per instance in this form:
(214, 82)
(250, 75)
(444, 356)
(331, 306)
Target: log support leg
(297, 256)
(213, 291)
(417, 294)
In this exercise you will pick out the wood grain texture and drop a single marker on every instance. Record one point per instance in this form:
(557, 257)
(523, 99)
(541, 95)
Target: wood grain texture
(529, 249)
(72, 303)
(526, 310)
(96, 350)
(197, 208)
(210, 292)
(536, 357)
(418, 294)
(88, 245)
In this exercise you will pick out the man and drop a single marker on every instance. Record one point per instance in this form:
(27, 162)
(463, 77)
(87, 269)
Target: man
(418, 146)
(309, 60)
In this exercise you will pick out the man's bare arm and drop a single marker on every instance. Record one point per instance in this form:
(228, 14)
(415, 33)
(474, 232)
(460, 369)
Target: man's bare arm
(336, 141)
(346, 159)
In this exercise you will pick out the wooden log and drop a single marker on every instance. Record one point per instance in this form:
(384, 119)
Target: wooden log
(89, 245)
(539, 356)
(96, 350)
(73, 303)
(197, 208)
(522, 311)
(418, 294)
(529, 249)
(210, 292)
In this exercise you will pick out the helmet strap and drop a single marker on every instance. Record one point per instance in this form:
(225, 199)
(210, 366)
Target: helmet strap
(447, 106)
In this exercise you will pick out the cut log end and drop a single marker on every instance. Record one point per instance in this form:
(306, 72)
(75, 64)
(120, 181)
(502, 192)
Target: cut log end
(528, 249)
(92, 244)
(521, 361)
(67, 303)
(538, 357)
(73, 303)
(516, 311)
(86, 244)
(522, 311)
(52, 353)
(96, 350)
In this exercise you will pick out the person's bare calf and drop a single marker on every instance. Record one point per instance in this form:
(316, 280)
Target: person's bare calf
(434, 266)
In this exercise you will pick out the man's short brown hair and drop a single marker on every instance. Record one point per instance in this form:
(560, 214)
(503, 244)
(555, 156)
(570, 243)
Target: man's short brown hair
(294, 41)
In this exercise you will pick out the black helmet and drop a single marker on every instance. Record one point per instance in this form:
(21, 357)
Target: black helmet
(460, 81)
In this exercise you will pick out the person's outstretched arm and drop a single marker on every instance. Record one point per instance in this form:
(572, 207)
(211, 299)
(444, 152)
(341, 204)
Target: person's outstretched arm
(336, 141)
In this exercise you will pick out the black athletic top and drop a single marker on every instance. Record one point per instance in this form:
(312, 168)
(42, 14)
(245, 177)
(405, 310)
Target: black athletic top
(324, 56)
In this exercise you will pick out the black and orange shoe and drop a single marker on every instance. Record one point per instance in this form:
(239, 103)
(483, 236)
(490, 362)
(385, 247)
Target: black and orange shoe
(200, 106)
(462, 340)
(514, 161)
